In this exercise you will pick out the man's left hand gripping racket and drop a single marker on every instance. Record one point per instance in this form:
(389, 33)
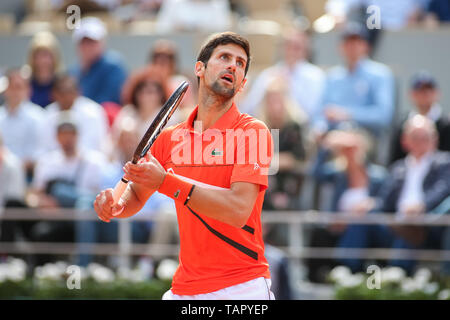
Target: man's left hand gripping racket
(152, 133)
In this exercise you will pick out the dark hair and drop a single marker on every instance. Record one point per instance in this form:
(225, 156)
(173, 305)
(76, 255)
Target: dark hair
(223, 39)
(66, 125)
(141, 85)
(61, 79)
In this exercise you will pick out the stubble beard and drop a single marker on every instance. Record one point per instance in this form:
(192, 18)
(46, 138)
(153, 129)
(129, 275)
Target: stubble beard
(220, 90)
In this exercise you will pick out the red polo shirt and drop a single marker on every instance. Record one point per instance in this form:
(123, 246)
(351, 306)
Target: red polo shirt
(213, 254)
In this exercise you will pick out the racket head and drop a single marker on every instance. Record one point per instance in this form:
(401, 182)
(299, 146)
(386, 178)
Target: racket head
(155, 128)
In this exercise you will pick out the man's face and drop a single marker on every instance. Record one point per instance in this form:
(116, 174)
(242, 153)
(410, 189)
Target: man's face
(89, 50)
(43, 60)
(17, 91)
(65, 95)
(424, 97)
(418, 141)
(295, 48)
(67, 139)
(224, 73)
(354, 48)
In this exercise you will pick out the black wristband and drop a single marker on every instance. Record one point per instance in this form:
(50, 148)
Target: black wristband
(189, 195)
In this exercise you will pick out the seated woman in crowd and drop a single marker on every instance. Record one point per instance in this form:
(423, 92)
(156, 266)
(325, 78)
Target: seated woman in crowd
(279, 112)
(147, 95)
(44, 59)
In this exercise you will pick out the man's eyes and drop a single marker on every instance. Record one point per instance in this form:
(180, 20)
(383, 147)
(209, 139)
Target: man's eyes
(227, 57)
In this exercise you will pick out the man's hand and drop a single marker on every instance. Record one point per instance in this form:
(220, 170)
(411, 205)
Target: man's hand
(105, 207)
(149, 174)
(414, 210)
(335, 113)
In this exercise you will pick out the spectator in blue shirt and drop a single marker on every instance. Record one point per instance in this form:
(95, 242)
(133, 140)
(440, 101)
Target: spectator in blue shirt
(361, 91)
(439, 10)
(101, 73)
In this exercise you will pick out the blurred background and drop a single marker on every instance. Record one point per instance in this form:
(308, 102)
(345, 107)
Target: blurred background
(358, 89)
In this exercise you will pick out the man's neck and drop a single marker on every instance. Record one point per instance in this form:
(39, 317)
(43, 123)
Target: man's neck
(13, 106)
(70, 153)
(86, 65)
(353, 64)
(211, 108)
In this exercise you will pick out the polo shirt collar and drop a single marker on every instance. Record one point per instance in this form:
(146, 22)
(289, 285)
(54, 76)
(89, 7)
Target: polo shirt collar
(226, 121)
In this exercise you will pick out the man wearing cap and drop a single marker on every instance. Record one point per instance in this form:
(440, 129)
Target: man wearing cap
(361, 91)
(100, 73)
(424, 94)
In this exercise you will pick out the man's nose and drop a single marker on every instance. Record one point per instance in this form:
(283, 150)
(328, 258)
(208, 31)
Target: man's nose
(232, 66)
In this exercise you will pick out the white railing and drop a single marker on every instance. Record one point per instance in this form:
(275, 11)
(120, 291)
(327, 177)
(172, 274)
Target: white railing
(295, 220)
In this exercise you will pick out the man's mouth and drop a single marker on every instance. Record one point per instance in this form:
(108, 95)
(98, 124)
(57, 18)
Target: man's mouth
(228, 77)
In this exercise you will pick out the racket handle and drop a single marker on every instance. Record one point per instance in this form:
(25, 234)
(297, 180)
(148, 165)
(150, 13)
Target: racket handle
(119, 189)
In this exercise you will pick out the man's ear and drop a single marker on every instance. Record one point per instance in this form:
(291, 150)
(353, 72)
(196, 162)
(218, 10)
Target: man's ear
(199, 68)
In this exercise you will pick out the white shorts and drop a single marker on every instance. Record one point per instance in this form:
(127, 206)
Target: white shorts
(256, 289)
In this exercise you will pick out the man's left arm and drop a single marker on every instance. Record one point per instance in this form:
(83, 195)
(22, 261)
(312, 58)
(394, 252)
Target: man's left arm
(439, 190)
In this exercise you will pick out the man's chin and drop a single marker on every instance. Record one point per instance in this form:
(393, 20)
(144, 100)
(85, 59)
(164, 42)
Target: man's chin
(226, 93)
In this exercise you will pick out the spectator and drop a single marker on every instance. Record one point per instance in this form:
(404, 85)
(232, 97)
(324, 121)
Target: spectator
(394, 15)
(89, 117)
(148, 95)
(162, 65)
(11, 170)
(353, 178)
(61, 178)
(438, 11)
(415, 186)
(194, 15)
(424, 94)
(21, 120)
(279, 112)
(91, 231)
(100, 73)
(361, 91)
(44, 59)
(12, 193)
(305, 80)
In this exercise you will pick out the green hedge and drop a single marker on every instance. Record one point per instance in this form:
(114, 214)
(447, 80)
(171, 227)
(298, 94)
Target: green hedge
(27, 289)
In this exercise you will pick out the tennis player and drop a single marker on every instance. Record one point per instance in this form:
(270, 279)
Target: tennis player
(218, 196)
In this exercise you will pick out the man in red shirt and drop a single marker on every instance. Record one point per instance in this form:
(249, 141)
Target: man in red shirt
(214, 165)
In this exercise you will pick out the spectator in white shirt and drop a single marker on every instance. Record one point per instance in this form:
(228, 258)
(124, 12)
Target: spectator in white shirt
(62, 178)
(12, 171)
(194, 15)
(394, 15)
(20, 119)
(305, 80)
(12, 193)
(89, 117)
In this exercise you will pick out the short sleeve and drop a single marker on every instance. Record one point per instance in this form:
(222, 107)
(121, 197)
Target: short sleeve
(256, 143)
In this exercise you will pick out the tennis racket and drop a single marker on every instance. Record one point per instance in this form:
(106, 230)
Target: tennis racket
(152, 133)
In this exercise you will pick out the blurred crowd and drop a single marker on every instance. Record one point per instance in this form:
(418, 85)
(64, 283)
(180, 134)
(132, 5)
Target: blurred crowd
(66, 131)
